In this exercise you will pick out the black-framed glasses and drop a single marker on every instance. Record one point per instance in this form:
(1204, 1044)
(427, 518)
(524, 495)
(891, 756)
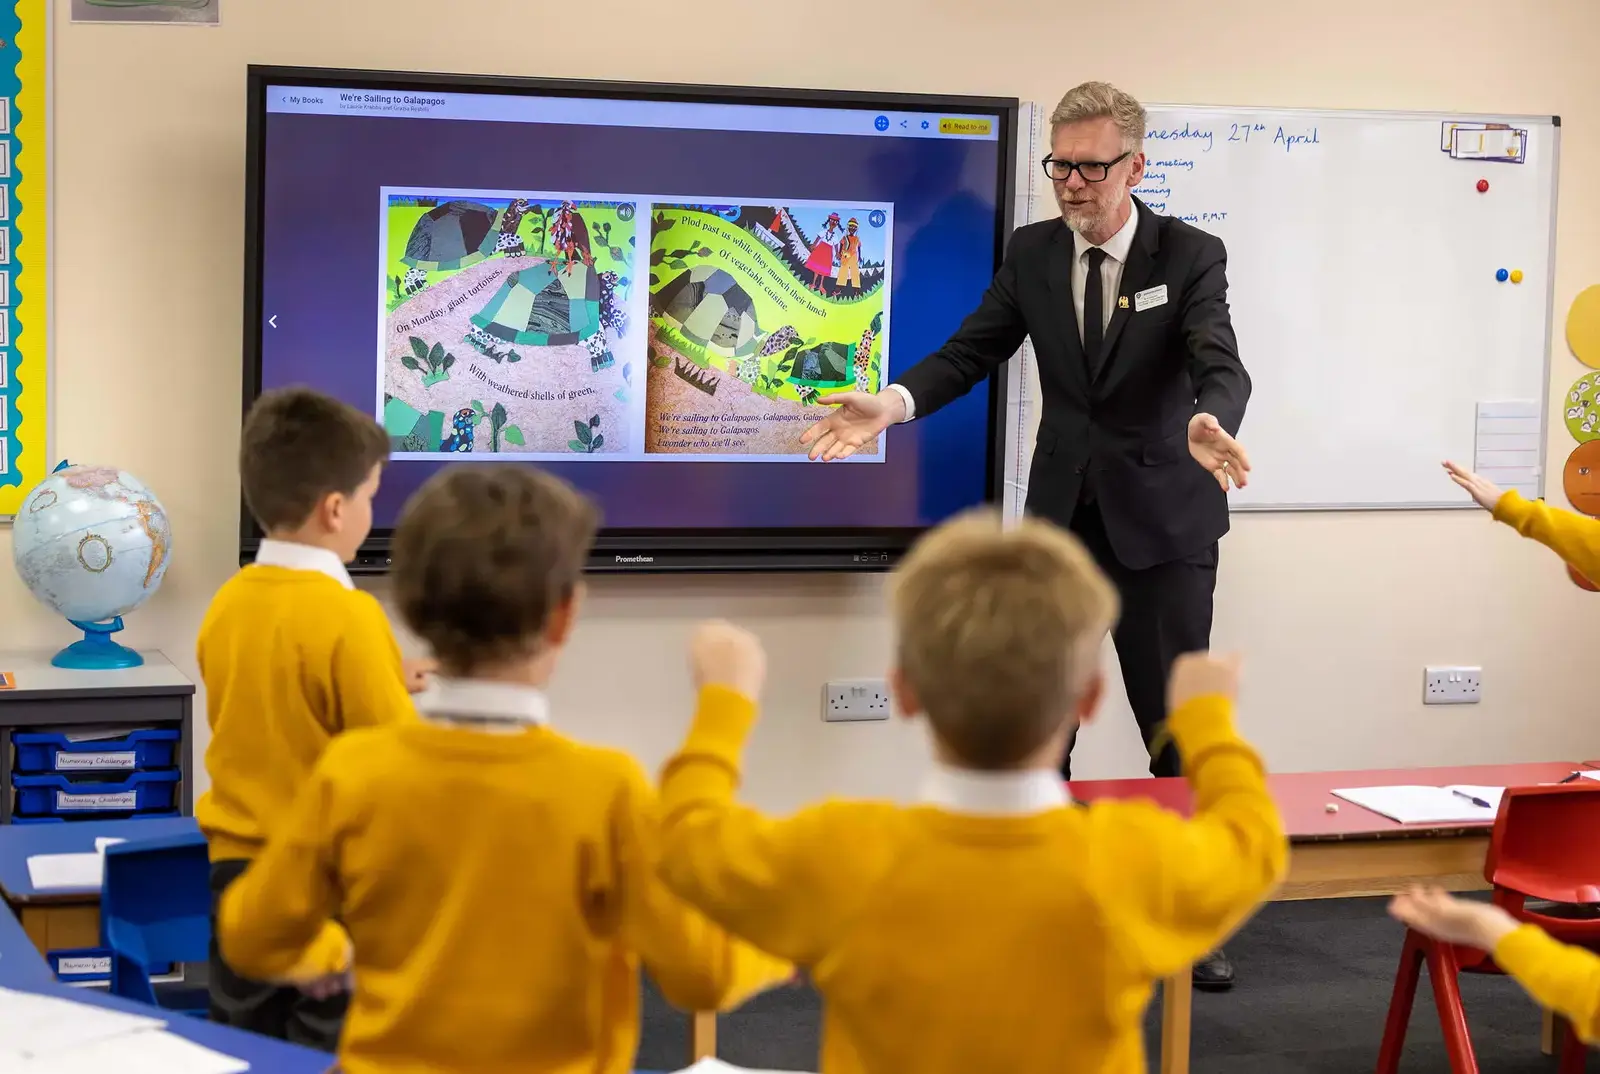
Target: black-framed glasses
(1093, 171)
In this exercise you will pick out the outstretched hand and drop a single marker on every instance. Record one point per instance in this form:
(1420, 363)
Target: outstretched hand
(1485, 493)
(857, 420)
(1215, 448)
(1444, 917)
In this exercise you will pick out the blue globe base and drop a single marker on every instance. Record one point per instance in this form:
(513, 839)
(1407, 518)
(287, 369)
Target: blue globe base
(97, 652)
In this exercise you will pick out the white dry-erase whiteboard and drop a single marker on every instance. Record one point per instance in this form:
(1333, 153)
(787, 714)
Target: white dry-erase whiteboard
(1362, 262)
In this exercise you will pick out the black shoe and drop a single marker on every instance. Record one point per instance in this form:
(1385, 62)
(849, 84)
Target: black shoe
(1214, 973)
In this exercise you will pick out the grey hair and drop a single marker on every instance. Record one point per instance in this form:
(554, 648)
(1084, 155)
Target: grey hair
(1102, 100)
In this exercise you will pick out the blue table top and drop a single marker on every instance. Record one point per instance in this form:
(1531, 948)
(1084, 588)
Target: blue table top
(23, 969)
(19, 842)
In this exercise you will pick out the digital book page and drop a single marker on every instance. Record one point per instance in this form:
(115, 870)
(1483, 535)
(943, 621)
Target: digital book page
(564, 326)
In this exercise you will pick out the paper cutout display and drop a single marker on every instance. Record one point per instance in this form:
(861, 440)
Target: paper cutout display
(1580, 479)
(1583, 326)
(1582, 411)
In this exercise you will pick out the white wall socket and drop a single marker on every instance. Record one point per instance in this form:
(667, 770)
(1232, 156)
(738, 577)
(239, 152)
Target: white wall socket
(1452, 686)
(855, 699)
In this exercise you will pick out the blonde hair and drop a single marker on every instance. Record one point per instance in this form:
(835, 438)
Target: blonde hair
(999, 633)
(1102, 100)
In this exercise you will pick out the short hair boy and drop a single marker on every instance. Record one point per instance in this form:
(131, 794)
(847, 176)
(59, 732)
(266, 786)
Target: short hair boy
(497, 878)
(292, 654)
(991, 927)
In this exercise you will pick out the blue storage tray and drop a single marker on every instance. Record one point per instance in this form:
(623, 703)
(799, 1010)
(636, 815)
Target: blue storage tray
(53, 795)
(90, 964)
(45, 751)
(73, 818)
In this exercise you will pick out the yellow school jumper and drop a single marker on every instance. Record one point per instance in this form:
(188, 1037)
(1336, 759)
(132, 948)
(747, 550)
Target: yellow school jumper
(995, 927)
(498, 881)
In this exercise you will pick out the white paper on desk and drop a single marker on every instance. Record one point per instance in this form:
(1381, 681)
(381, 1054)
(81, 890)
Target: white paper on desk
(66, 870)
(1426, 805)
(99, 734)
(35, 1028)
(151, 1052)
(717, 1066)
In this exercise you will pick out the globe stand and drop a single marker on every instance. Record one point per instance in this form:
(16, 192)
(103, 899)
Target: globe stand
(96, 651)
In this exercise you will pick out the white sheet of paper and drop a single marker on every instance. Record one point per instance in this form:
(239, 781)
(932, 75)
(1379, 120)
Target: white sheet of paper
(34, 1028)
(99, 734)
(104, 841)
(1594, 775)
(717, 1066)
(1426, 805)
(1509, 444)
(151, 1052)
(66, 870)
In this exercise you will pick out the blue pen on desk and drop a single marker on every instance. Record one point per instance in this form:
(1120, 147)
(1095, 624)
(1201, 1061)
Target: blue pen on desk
(1474, 800)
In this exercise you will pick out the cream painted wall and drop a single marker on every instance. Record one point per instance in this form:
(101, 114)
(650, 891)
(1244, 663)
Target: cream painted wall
(1337, 613)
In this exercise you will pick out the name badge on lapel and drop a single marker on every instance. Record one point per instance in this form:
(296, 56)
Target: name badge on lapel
(1150, 297)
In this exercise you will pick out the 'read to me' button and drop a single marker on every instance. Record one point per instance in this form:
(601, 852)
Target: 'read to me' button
(965, 126)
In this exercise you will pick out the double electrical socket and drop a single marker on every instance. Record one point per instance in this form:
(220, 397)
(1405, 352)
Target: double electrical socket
(846, 700)
(1452, 686)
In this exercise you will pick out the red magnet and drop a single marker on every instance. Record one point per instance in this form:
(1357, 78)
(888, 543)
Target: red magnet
(1483, 186)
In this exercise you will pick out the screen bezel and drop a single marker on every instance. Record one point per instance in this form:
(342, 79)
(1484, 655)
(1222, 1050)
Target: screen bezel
(617, 549)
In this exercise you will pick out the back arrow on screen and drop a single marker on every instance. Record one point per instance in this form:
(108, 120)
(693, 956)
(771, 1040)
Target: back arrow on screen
(273, 320)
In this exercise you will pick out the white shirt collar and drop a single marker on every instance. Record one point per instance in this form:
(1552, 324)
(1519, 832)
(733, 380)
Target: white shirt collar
(479, 701)
(1118, 246)
(303, 557)
(961, 790)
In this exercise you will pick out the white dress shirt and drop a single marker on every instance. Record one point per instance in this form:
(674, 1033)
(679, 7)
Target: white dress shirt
(303, 557)
(994, 794)
(1117, 248)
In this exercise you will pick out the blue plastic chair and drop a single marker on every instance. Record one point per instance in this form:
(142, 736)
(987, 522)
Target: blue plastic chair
(155, 910)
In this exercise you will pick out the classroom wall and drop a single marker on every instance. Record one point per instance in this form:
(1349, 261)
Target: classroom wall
(1338, 613)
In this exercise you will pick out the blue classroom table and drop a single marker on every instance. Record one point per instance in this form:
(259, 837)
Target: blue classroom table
(23, 968)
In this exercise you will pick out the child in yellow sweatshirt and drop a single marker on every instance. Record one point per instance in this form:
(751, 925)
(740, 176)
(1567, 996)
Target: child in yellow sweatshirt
(292, 654)
(991, 927)
(1573, 537)
(497, 878)
(1559, 977)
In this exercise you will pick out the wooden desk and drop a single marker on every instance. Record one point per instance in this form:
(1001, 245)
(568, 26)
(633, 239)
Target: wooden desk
(1348, 854)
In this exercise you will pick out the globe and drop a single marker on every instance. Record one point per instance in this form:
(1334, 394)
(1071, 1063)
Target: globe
(92, 543)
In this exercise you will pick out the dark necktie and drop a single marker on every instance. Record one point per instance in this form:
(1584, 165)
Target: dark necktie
(1094, 310)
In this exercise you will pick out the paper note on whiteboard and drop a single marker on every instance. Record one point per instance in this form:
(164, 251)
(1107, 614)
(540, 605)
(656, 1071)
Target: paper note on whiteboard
(1509, 445)
(1486, 141)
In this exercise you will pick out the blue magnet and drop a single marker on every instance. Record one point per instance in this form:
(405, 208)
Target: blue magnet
(1502, 275)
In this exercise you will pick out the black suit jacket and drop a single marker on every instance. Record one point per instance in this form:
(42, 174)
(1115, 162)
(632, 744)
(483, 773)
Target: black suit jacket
(1126, 429)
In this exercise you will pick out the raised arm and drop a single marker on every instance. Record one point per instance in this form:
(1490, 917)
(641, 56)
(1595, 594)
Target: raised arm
(697, 964)
(987, 337)
(1559, 977)
(790, 886)
(1573, 537)
(1178, 887)
(1222, 387)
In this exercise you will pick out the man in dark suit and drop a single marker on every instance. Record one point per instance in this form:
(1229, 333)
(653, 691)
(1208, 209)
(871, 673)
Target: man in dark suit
(1143, 394)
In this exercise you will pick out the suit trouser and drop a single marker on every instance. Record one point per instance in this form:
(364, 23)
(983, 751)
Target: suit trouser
(1166, 612)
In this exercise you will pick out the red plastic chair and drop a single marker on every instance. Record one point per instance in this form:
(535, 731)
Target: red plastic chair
(1544, 846)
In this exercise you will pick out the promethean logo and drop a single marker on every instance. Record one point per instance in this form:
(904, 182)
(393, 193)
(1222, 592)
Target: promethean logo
(636, 559)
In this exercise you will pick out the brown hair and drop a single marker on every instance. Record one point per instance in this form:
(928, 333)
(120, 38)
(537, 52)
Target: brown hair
(484, 555)
(300, 446)
(1102, 100)
(999, 632)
